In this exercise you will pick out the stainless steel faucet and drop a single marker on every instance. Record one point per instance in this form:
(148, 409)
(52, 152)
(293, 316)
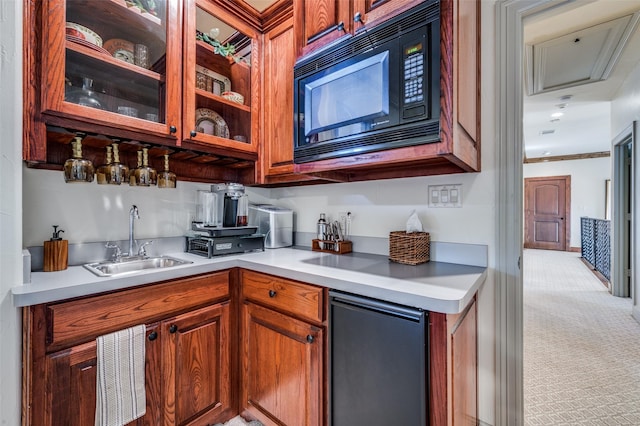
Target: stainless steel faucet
(133, 214)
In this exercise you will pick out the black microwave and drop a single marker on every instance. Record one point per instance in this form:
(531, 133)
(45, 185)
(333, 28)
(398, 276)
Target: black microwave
(375, 91)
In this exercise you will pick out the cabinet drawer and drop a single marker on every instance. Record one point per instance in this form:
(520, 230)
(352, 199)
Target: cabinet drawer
(292, 297)
(84, 319)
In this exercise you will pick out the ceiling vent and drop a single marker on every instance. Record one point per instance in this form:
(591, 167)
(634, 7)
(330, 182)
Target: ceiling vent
(581, 57)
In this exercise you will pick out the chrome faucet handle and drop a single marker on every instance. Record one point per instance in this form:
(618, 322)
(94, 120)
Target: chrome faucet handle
(117, 254)
(142, 251)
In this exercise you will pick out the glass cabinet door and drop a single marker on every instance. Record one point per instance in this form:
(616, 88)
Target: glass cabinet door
(108, 61)
(220, 82)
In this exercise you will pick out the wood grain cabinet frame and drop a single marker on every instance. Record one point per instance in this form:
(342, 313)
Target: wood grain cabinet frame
(188, 366)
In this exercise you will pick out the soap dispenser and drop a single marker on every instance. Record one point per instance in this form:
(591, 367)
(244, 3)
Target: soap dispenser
(56, 252)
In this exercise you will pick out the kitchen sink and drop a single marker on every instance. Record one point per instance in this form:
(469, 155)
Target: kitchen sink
(127, 266)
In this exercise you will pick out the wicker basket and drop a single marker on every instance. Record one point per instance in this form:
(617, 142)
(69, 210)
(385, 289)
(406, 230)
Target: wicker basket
(410, 249)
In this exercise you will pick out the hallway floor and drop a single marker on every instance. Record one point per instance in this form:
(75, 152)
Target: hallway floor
(581, 346)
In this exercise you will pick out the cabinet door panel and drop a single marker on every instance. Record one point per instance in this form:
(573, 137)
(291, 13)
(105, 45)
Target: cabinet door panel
(374, 12)
(71, 376)
(197, 366)
(282, 368)
(279, 61)
(317, 23)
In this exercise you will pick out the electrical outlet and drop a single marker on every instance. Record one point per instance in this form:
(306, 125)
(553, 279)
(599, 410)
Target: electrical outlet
(445, 195)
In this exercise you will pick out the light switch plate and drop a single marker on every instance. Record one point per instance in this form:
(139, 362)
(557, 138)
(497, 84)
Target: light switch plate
(445, 195)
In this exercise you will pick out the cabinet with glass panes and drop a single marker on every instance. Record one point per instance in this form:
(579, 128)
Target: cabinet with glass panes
(112, 62)
(221, 78)
(127, 69)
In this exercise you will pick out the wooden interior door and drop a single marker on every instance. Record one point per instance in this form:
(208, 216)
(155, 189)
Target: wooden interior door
(547, 213)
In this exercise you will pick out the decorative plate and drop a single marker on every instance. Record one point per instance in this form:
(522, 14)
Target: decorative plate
(120, 49)
(210, 122)
(218, 83)
(80, 31)
(87, 44)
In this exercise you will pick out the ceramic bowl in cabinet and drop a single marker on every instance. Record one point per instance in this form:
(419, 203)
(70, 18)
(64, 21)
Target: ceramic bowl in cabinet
(84, 33)
(234, 97)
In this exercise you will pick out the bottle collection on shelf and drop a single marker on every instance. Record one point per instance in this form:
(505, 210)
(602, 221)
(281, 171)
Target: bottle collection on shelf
(78, 169)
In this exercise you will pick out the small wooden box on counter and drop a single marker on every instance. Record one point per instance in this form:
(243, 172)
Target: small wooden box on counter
(410, 249)
(330, 246)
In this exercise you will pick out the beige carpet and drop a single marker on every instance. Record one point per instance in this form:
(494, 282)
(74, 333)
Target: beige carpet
(581, 346)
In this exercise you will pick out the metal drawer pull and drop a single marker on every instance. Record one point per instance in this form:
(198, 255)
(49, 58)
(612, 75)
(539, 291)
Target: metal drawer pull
(153, 336)
(272, 293)
(310, 338)
(173, 328)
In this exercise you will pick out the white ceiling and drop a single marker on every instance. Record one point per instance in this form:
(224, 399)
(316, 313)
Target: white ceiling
(585, 126)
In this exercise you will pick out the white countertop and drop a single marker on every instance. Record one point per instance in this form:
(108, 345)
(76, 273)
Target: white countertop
(434, 286)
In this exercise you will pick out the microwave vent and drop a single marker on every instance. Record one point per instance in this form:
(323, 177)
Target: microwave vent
(364, 39)
(424, 132)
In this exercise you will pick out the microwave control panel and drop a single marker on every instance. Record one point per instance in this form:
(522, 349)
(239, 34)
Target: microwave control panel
(414, 73)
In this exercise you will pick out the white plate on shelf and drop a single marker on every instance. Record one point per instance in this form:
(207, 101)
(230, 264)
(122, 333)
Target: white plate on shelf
(210, 122)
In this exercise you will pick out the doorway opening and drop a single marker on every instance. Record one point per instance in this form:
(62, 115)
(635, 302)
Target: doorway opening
(623, 201)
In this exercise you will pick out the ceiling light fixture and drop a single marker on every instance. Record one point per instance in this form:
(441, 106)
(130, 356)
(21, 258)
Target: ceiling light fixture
(546, 153)
(554, 120)
(557, 114)
(565, 97)
(562, 105)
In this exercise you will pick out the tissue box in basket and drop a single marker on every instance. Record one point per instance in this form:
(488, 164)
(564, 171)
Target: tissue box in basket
(411, 249)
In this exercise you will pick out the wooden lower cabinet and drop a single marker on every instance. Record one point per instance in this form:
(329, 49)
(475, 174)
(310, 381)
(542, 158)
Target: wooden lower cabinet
(71, 374)
(453, 368)
(188, 373)
(282, 368)
(197, 366)
(259, 350)
(283, 380)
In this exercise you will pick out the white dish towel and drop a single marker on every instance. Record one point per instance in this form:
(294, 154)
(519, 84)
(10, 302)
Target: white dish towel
(120, 390)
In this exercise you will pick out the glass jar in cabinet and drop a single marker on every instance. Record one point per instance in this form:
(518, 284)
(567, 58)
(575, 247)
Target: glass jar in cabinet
(221, 78)
(115, 63)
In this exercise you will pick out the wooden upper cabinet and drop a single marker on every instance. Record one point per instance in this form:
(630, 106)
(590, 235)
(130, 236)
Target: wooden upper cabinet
(91, 72)
(73, 85)
(322, 22)
(277, 144)
(209, 118)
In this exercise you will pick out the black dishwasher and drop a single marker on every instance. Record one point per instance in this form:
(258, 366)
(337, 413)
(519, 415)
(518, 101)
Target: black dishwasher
(377, 361)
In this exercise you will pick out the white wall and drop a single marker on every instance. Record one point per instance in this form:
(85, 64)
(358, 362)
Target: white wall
(91, 212)
(94, 213)
(625, 109)
(10, 208)
(588, 178)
